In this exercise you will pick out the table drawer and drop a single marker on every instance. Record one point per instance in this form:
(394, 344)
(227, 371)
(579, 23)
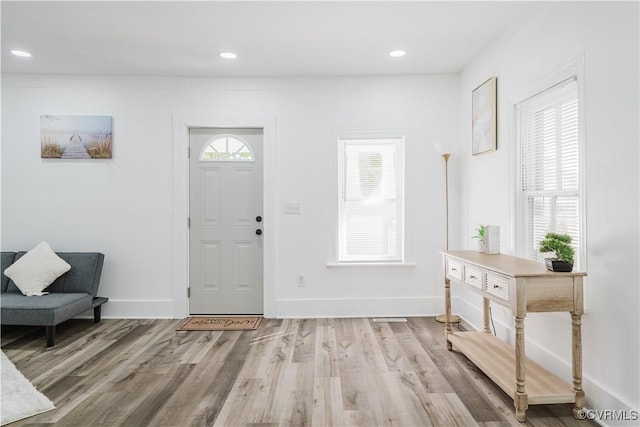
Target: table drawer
(454, 268)
(473, 276)
(498, 285)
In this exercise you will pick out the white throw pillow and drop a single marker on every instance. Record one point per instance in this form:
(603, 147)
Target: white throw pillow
(37, 269)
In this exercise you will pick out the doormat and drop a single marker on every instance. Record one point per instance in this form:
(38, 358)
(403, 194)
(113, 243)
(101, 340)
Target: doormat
(220, 323)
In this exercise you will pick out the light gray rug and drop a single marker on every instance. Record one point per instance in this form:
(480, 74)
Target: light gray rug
(18, 398)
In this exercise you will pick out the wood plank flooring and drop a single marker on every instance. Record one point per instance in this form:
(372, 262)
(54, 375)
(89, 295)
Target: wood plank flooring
(292, 372)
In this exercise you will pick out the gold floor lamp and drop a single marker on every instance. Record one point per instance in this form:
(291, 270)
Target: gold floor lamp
(442, 318)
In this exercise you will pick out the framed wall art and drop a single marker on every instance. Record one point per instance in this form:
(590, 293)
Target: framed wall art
(484, 117)
(75, 137)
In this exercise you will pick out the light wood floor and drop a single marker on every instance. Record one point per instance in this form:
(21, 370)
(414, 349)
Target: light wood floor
(317, 372)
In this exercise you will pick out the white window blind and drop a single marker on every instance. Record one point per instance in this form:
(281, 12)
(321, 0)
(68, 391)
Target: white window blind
(550, 167)
(371, 206)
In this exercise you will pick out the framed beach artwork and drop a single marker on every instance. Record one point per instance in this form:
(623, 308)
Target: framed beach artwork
(484, 117)
(75, 137)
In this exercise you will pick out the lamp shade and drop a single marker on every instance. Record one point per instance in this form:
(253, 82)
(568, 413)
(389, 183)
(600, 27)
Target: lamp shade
(442, 147)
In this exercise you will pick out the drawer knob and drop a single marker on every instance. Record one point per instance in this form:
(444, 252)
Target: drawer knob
(472, 276)
(454, 269)
(496, 286)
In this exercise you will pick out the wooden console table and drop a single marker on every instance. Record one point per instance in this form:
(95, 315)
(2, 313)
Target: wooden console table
(525, 287)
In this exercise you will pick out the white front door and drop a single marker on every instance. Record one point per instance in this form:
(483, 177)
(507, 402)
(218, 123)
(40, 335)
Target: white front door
(225, 210)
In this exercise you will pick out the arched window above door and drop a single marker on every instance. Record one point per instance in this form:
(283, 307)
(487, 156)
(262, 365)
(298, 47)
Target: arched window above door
(226, 148)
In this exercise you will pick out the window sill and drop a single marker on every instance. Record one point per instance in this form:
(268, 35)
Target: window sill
(370, 264)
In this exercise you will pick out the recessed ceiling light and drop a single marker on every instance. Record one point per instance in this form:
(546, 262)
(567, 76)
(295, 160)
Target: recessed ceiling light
(20, 53)
(228, 55)
(397, 53)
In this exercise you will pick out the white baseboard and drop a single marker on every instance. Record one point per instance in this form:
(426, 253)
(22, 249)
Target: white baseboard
(291, 308)
(359, 307)
(135, 309)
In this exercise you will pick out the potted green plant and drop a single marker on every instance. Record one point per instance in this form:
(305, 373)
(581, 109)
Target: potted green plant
(481, 235)
(560, 245)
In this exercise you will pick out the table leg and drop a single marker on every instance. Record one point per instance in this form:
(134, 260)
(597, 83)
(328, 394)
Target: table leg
(485, 312)
(576, 347)
(447, 311)
(520, 401)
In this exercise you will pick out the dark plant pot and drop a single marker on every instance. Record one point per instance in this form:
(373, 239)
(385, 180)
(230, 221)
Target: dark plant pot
(556, 265)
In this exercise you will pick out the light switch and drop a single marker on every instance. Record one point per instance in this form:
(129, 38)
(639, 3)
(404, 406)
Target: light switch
(292, 208)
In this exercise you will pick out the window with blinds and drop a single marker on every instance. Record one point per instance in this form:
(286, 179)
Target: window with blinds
(371, 200)
(550, 192)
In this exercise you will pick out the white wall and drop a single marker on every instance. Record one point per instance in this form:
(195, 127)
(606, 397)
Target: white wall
(128, 207)
(606, 35)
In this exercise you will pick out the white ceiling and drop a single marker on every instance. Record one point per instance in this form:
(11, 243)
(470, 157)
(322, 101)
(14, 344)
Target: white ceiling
(271, 38)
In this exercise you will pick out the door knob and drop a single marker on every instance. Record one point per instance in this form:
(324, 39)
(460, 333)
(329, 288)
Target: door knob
(258, 232)
(259, 218)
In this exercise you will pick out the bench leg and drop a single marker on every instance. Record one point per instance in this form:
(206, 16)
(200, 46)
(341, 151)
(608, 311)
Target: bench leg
(51, 335)
(96, 313)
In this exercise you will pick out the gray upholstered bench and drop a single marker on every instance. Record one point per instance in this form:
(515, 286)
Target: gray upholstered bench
(71, 294)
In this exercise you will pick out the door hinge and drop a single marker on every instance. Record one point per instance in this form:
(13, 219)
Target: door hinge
(188, 152)
(188, 292)
(188, 222)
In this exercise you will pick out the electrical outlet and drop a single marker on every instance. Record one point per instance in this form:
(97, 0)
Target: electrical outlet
(300, 280)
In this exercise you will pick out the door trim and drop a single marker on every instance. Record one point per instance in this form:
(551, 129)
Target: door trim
(180, 199)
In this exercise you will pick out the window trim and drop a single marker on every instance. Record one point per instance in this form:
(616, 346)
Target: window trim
(575, 70)
(336, 179)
